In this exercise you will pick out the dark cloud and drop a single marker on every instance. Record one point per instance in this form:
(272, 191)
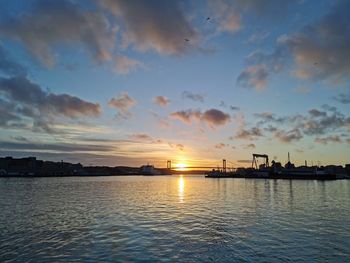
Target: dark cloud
(186, 116)
(316, 122)
(52, 22)
(141, 137)
(122, 103)
(19, 138)
(319, 51)
(54, 147)
(234, 108)
(288, 136)
(212, 117)
(22, 99)
(328, 139)
(266, 117)
(32, 99)
(163, 28)
(192, 96)
(248, 134)
(343, 98)
(316, 113)
(215, 117)
(161, 101)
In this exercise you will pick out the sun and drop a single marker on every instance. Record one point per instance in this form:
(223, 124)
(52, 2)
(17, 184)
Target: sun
(181, 166)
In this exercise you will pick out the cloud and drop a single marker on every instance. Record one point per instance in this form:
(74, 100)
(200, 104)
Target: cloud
(343, 98)
(192, 96)
(248, 134)
(328, 139)
(324, 121)
(234, 108)
(163, 28)
(288, 136)
(186, 116)
(178, 146)
(216, 117)
(317, 113)
(231, 107)
(122, 103)
(249, 146)
(125, 65)
(221, 145)
(258, 37)
(225, 14)
(161, 101)
(266, 116)
(23, 99)
(253, 77)
(320, 50)
(141, 137)
(54, 147)
(212, 117)
(229, 15)
(22, 91)
(68, 23)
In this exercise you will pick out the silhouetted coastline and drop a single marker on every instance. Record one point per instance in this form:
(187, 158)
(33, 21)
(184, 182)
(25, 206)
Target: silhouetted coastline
(31, 167)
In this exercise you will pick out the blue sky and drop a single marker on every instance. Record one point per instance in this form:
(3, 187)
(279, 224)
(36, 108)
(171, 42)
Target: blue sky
(131, 82)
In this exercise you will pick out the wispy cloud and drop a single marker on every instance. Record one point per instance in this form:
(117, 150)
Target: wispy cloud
(192, 96)
(141, 137)
(343, 98)
(253, 76)
(220, 145)
(328, 139)
(125, 65)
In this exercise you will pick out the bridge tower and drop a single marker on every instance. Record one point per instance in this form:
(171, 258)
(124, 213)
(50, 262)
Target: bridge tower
(224, 165)
(168, 164)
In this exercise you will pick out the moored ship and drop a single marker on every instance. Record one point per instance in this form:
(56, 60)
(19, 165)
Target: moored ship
(275, 171)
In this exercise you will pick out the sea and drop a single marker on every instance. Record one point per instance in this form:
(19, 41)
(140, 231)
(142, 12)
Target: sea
(178, 218)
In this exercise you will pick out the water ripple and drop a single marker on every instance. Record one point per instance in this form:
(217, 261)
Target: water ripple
(167, 219)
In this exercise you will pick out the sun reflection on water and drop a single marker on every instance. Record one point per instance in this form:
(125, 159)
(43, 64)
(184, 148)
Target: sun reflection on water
(181, 189)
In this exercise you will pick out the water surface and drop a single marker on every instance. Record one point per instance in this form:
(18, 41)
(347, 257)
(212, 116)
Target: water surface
(173, 218)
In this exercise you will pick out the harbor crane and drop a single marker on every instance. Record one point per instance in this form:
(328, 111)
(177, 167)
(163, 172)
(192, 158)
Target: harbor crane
(255, 160)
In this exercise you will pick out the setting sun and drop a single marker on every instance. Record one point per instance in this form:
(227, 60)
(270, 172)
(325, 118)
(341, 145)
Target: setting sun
(181, 166)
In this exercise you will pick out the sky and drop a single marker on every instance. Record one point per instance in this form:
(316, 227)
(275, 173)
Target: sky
(116, 82)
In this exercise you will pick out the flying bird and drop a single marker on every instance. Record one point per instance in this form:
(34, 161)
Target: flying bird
(208, 18)
(186, 39)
